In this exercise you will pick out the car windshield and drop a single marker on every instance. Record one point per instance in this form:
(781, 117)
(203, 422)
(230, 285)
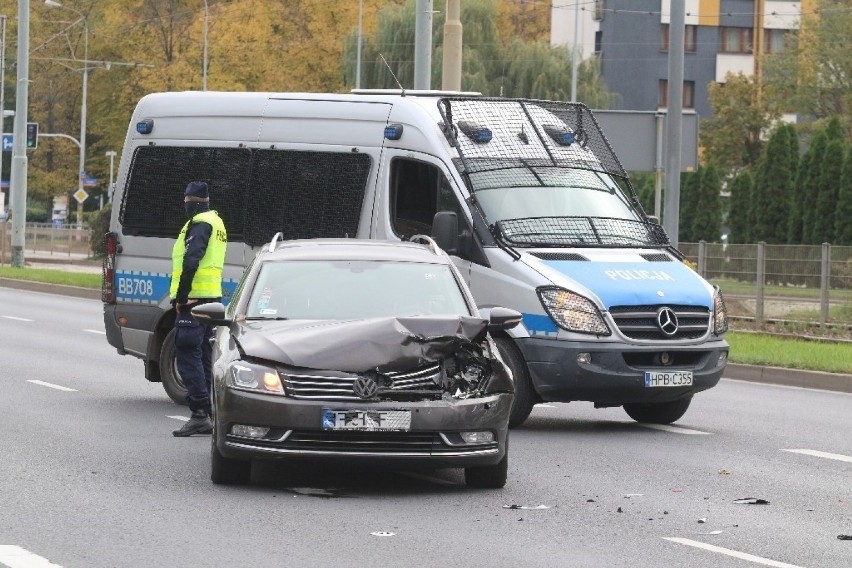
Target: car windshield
(354, 290)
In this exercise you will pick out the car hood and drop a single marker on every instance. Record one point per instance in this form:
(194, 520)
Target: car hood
(383, 344)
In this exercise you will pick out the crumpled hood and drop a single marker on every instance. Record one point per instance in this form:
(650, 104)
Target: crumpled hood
(387, 344)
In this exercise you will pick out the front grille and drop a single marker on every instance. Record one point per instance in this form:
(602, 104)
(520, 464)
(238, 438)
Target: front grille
(559, 256)
(656, 257)
(425, 382)
(640, 322)
(372, 443)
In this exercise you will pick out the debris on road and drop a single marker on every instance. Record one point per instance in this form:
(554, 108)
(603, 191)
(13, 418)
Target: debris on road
(527, 507)
(724, 472)
(702, 521)
(844, 537)
(751, 501)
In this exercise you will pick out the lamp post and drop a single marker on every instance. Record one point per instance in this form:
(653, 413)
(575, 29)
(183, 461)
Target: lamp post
(3, 98)
(81, 170)
(111, 155)
(204, 59)
(19, 149)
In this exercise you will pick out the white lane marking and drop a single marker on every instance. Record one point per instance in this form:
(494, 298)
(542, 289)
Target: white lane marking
(733, 553)
(17, 557)
(674, 429)
(544, 406)
(98, 331)
(17, 319)
(818, 454)
(790, 387)
(51, 385)
(182, 418)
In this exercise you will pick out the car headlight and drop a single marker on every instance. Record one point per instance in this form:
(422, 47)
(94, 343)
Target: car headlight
(720, 313)
(573, 312)
(248, 376)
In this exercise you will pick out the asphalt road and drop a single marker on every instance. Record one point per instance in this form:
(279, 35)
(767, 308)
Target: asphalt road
(90, 476)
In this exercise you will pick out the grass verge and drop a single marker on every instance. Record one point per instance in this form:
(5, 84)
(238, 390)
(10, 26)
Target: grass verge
(51, 276)
(791, 353)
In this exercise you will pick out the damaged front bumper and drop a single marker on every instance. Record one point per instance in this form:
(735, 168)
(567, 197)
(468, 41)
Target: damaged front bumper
(257, 426)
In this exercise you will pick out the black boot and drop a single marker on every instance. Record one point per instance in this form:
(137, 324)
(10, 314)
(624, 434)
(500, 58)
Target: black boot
(199, 423)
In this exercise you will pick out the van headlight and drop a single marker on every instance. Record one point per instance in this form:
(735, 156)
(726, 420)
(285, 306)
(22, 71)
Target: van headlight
(572, 312)
(248, 376)
(720, 313)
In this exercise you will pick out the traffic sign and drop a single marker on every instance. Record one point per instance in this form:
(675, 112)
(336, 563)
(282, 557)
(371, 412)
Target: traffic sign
(81, 195)
(7, 142)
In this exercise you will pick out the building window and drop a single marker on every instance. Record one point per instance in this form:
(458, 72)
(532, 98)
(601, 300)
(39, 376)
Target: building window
(688, 94)
(775, 41)
(689, 41)
(736, 40)
(598, 41)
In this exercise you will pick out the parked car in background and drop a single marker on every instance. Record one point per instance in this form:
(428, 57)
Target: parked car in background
(358, 350)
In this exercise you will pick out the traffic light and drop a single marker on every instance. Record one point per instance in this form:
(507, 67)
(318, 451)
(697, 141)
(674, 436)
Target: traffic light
(32, 135)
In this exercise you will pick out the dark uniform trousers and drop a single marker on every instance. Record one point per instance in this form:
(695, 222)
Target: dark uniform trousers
(194, 358)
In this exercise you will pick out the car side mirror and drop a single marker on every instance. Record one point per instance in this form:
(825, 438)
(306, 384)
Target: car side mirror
(445, 231)
(653, 219)
(212, 313)
(501, 319)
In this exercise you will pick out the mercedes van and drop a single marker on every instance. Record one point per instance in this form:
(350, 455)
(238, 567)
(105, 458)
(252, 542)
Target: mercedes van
(526, 195)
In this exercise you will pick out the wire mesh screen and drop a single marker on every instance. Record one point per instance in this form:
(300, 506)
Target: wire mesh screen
(496, 135)
(581, 231)
(306, 194)
(256, 192)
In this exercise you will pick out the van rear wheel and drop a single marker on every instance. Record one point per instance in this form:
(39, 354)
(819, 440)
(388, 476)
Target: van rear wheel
(524, 393)
(658, 412)
(172, 381)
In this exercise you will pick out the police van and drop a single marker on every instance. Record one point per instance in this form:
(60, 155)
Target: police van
(526, 195)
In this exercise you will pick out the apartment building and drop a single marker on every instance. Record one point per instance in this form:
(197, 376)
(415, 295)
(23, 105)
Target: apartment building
(630, 37)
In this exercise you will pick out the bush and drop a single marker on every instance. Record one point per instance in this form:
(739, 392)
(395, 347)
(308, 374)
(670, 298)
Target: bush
(98, 222)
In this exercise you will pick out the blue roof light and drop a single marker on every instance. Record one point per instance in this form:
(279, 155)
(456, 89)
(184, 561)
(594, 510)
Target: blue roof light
(393, 131)
(477, 133)
(560, 135)
(145, 126)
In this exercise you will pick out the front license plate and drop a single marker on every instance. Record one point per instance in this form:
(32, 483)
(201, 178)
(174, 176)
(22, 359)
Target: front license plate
(668, 378)
(367, 420)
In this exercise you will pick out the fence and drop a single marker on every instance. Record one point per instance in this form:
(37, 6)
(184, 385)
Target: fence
(48, 240)
(809, 284)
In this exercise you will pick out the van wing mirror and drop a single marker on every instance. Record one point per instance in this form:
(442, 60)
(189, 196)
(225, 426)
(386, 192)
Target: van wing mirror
(445, 231)
(501, 319)
(212, 313)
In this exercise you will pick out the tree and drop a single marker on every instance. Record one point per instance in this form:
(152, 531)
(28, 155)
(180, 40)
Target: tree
(738, 222)
(813, 75)
(732, 139)
(771, 195)
(811, 184)
(689, 197)
(708, 217)
(843, 215)
(822, 230)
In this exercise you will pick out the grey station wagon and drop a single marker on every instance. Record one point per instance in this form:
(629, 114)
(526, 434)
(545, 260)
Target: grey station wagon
(358, 350)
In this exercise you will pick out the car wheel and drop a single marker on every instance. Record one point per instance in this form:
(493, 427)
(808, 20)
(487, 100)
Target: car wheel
(227, 471)
(488, 476)
(172, 381)
(658, 412)
(524, 394)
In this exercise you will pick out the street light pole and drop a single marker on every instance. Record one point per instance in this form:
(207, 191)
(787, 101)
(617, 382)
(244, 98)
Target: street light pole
(19, 149)
(204, 61)
(2, 99)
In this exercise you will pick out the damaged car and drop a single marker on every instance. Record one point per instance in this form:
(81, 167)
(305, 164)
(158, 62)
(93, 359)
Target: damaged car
(359, 350)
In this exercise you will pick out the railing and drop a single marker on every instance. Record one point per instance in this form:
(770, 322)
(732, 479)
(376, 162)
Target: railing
(810, 284)
(47, 241)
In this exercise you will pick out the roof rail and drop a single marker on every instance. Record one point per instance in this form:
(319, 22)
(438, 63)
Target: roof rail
(279, 236)
(429, 241)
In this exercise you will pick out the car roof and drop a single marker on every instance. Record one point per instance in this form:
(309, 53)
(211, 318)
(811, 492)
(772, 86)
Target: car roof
(353, 249)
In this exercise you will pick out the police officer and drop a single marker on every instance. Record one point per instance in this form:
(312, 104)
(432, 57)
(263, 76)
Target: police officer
(197, 260)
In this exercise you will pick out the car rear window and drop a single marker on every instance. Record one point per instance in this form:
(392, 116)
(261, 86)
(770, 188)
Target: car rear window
(354, 290)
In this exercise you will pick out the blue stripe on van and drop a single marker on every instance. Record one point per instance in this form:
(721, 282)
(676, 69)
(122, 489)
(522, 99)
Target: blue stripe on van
(638, 283)
(138, 287)
(540, 325)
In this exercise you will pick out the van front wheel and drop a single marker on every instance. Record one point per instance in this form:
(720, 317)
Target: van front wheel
(172, 381)
(658, 412)
(524, 394)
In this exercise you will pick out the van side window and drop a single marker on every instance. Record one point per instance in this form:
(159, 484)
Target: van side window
(418, 191)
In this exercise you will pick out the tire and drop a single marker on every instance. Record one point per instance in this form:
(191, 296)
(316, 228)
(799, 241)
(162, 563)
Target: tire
(227, 471)
(658, 412)
(172, 381)
(524, 394)
(489, 476)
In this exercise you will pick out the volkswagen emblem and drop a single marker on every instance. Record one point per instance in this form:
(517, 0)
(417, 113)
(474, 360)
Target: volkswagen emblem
(667, 320)
(365, 387)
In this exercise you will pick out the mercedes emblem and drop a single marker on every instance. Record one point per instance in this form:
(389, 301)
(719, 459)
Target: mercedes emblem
(667, 320)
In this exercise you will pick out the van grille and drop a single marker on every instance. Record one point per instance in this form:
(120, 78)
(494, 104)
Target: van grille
(559, 256)
(425, 381)
(640, 322)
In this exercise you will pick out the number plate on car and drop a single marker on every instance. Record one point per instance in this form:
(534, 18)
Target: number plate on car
(367, 420)
(668, 378)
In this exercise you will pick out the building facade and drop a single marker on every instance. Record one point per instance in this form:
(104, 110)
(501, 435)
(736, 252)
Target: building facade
(630, 37)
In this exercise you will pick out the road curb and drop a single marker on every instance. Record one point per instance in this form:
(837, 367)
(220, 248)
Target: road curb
(59, 289)
(789, 377)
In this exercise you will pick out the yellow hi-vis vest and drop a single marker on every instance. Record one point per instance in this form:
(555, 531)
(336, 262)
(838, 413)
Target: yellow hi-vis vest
(207, 282)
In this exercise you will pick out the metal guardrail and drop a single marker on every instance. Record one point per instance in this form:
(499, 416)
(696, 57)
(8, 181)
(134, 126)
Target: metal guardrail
(45, 239)
(809, 284)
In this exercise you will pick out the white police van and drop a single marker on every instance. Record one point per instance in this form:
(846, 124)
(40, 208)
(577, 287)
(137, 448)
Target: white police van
(526, 195)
